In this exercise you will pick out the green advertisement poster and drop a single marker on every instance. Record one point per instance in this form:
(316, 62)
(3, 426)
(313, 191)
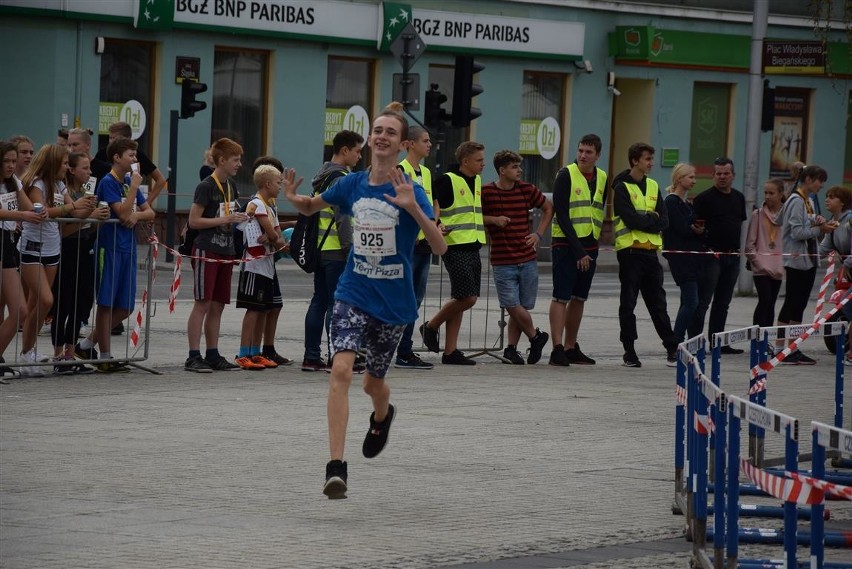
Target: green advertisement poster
(708, 136)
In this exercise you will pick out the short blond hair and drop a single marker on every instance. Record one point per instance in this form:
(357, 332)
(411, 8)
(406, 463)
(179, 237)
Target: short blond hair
(265, 173)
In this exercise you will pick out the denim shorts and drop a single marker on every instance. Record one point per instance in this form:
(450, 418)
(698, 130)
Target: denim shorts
(352, 329)
(517, 285)
(569, 282)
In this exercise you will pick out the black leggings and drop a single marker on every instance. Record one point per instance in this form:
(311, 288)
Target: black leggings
(767, 294)
(73, 290)
(798, 291)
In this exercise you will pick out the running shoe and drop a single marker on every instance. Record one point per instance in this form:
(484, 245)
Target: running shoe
(245, 362)
(335, 480)
(576, 356)
(197, 364)
(537, 344)
(220, 363)
(377, 435)
(412, 361)
(264, 361)
(511, 356)
(430, 338)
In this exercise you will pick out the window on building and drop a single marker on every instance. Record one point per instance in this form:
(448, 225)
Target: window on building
(348, 100)
(127, 72)
(542, 108)
(239, 105)
(708, 139)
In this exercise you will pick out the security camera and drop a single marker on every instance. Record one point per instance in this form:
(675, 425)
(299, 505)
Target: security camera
(587, 65)
(614, 91)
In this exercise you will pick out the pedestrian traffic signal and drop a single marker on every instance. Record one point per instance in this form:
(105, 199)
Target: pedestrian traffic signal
(433, 114)
(188, 105)
(767, 114)
(464, 90)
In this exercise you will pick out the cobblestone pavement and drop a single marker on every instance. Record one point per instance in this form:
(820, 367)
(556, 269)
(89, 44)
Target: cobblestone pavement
(490, 466)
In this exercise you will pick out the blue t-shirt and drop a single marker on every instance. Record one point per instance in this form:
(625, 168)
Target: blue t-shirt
(378, 278)
(114, 236)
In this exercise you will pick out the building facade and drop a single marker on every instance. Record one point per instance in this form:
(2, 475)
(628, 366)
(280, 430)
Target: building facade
(284, 76)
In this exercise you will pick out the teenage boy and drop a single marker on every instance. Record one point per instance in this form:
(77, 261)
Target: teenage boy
(419, 144)
(579, 197)
(346, 147)
(116, 247)
(213, 213)
(459, 195)
(505, 209)
(256, 290)
(374, 300)
(640, 218)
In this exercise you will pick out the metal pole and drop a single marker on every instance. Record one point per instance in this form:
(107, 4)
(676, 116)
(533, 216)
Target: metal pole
(753, 119)
(171, 216)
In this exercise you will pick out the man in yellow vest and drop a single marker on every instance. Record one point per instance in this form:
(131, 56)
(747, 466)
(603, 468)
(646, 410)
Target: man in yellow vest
(640, 218)
(346, 147)
(418, 145)
(459, 196)
(579, 195)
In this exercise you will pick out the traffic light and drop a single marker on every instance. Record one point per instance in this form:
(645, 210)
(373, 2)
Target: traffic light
(433, 114)
(188, 105)
(464, 90)
(767, 115)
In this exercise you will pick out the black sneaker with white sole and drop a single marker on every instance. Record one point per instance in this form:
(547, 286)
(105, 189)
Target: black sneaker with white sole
(377, 435)
(576, 356)
(335, 480)
(630, 358)
(197, 364)
(412, 361)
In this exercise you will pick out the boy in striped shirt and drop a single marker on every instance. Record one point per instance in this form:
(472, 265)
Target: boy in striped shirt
(506, 204)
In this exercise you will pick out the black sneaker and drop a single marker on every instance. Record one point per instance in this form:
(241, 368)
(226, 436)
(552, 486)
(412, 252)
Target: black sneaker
(537, 344)
(118, 329)
(558, 357)
(631, 359)
(671, 359)
(85, 354)
(576, 356)
(221, 364)
(83, 369)
(797, 358)
(731, 351)
(805, 360)
(511, 356)
(197, 364)
(314, 365)
(377, 436)
(430, 338)
(412, 361)
(457, 358)
(278, 358)
(62, 369)
(335, 480)
(112, 366)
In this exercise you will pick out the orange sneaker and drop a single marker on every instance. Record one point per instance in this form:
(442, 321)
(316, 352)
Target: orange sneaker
(264, 361)
(246, 362)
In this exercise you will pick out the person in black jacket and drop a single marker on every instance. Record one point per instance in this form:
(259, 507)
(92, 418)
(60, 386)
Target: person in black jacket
(684, 233)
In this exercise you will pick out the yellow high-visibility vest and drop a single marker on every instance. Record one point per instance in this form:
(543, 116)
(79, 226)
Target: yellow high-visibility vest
(424, 179)
(464, 217)
(326, 219)
(586, 211)
(626, 237)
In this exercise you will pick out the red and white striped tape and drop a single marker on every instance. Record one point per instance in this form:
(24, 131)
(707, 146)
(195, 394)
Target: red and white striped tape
(701, 423)
(780, 487)
(680, 395)
(838, 490)
(823, 287)
(136, 330)
(175, 287)
(768, 366)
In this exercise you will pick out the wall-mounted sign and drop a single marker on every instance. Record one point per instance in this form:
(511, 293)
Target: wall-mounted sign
(132, 112)
(540, 137)
(187, 68)
(354, 118)
(794, 57)
(670, 157)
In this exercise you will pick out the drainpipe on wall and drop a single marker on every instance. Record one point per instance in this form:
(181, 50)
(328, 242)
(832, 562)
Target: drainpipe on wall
(753, 118)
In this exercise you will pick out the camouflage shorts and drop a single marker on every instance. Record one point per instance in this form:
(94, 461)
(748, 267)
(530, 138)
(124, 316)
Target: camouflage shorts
(352, 329)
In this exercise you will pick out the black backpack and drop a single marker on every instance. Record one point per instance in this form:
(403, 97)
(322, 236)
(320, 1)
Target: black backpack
(304, 248)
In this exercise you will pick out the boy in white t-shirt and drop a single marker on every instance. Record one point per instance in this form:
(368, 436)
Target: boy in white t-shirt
(256, 289)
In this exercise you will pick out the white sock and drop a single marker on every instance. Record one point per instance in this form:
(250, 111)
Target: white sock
(106, 356)
(87, 344)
